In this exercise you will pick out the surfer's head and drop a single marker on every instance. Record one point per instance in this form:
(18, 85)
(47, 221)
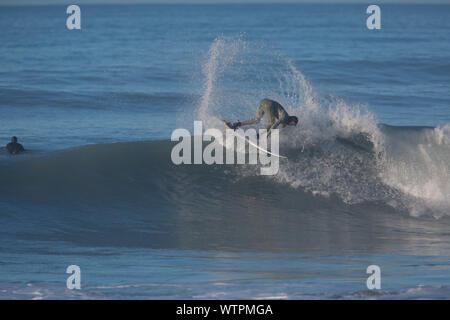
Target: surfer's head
(292, 121)
(13, 139)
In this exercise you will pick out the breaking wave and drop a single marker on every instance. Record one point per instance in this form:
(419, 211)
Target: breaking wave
(337, 148)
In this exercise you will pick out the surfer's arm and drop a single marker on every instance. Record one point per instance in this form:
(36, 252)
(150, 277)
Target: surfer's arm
(250, 121)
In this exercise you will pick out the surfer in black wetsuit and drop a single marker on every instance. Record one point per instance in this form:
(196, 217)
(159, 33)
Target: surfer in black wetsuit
(14, 147)
(275, 114)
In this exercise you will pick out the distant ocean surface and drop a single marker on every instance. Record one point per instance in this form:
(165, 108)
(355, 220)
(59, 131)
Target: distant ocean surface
(366, 182)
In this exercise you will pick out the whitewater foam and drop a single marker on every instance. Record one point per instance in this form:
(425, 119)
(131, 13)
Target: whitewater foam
(337, 148)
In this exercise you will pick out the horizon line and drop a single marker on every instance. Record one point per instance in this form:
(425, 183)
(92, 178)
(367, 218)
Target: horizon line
(221, 2)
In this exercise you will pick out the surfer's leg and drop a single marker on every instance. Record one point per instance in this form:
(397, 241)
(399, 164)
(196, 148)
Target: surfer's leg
(270, 120)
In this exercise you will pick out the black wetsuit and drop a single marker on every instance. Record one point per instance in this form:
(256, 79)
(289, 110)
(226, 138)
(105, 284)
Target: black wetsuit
(14, 148)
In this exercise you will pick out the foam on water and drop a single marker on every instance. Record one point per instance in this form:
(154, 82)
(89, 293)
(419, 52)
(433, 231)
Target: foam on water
(416, 163)
(337, 148)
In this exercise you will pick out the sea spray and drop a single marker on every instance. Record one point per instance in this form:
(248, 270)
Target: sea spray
(338, 148)
(417, 163)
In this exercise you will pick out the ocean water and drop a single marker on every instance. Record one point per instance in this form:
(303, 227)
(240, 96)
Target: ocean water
(366, 182)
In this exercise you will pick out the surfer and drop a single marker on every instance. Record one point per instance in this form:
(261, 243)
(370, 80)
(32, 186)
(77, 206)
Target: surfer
(275, 114)
(14, 147)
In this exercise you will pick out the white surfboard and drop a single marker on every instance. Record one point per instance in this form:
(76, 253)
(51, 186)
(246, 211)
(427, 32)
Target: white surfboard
(254, 144)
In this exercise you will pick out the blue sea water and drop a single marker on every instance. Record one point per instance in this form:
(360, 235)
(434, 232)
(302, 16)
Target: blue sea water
(95, 109)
